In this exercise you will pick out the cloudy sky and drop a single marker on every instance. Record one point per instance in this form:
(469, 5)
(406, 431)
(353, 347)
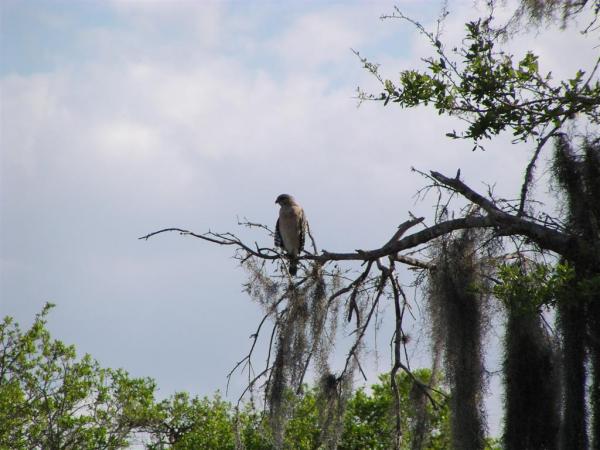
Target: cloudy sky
(119, 118)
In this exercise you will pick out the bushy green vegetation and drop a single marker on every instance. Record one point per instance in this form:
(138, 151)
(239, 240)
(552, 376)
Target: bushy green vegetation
(52, 399)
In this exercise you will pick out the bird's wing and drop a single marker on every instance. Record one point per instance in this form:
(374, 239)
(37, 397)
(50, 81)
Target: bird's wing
(278, 240)
(302, 231)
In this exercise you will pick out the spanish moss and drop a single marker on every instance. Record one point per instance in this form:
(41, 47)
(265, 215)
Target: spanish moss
(457, 294)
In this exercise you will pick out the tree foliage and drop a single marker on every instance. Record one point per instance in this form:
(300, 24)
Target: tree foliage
(369, 421)
(368, 418)
(490, 89)
(50, 399)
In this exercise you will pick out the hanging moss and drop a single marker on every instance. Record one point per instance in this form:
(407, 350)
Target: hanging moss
(530, 368)
(591, 286)
(571, 324)
(332, 399)
(577, 174)
(456, 303)
(304, 334)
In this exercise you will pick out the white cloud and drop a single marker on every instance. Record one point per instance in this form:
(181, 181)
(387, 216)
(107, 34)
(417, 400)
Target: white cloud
(28, 103)
(204, 20)
(316, 39)
(127, 140)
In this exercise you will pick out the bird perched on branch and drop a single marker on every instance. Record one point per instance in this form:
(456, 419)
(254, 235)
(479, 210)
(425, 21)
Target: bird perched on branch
(290, 229)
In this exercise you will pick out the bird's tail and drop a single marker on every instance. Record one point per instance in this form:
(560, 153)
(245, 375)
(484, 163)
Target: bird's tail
(293, 266)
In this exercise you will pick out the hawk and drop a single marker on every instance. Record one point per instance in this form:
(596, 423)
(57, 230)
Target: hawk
(290, 229)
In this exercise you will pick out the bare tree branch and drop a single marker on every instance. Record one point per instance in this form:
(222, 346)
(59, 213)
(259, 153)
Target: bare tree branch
(505, 223)
(531, 166)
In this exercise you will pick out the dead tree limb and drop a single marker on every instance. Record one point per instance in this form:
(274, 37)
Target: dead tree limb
(505, 223)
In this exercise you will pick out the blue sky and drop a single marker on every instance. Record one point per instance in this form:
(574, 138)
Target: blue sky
(39, 36)
(119, 118)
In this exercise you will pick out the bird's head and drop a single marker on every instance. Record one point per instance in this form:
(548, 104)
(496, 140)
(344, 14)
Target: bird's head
(285, 200)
